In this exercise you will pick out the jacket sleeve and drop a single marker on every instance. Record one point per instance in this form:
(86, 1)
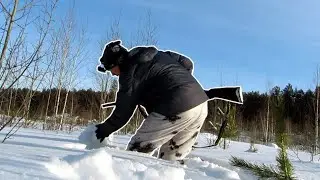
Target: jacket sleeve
(183, 60)
(125, 104)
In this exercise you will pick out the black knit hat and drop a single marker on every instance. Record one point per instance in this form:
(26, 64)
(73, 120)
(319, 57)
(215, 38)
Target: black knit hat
(113, 55)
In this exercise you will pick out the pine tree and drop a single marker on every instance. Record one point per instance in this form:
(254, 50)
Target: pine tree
(231, 130)
(284, 167)
(262, 171)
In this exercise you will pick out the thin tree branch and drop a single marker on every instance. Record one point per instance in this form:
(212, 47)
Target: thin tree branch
(5, 9)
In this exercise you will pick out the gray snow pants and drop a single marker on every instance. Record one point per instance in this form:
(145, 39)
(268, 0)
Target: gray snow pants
(175, 136)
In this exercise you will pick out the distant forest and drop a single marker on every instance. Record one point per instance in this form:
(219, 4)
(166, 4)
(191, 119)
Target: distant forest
(257, 114)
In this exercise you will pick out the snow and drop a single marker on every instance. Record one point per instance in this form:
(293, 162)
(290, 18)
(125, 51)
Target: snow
(99, 164)
(273, 145)
(36, 154)
(88, 138)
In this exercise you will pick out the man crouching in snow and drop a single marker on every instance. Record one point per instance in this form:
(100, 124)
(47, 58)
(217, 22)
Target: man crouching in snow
(163, 83)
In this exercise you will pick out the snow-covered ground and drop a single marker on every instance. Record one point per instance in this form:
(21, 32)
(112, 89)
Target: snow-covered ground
(36, 154)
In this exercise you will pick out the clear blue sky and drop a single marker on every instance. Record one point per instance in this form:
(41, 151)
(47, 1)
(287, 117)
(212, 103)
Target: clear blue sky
(245, 42)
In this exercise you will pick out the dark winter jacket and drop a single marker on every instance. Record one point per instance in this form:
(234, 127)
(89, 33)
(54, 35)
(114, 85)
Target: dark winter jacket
(161, 81)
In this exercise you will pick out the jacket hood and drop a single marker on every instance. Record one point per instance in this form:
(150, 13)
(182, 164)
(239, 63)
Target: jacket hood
(142, 54)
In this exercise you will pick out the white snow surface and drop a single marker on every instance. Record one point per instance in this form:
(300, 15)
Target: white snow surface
(36, 154)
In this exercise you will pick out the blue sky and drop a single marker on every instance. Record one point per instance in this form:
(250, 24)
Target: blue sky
(247, 43)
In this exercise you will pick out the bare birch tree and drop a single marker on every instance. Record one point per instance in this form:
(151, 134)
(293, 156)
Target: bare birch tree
(11, 17)
(21, 19)
(105, 81)
(52, 58)
(75, 60)
(316, 122)
(18, 53)
(64, 55)
(267, 132)
(146, 33)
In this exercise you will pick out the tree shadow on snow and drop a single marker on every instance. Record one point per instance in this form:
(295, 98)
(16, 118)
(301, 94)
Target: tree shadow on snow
(30, 166)
(40, 158)
(42, 137)
(41, 146)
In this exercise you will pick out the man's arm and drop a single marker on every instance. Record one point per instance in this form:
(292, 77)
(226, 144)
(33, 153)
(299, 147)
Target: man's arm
(125, 105)
(183, 60)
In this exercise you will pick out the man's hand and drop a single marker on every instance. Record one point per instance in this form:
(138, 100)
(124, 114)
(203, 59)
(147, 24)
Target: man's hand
(102, 131)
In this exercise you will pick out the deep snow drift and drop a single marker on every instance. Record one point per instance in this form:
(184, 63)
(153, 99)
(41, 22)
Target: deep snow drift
(100, 165)
(36, 154)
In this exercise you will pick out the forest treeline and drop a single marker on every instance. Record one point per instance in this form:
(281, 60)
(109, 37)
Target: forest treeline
(257, 112)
